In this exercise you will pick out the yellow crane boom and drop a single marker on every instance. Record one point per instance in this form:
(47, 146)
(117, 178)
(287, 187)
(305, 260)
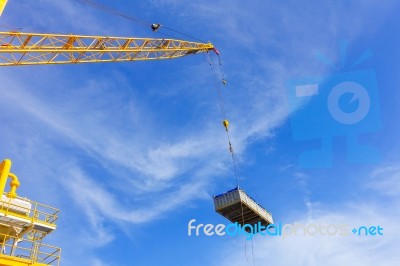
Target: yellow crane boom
(3, 4)
(18, 48)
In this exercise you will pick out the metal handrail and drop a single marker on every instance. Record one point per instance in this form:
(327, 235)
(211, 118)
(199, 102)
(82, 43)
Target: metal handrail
(33, 251)
(37, 211)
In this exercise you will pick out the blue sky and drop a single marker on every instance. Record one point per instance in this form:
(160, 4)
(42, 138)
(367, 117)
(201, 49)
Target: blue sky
(131, 152)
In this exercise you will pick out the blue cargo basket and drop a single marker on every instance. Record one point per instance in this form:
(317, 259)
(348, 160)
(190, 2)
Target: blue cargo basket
(237, 206)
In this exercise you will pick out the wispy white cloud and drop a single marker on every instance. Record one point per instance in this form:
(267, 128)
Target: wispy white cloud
(97, 200)
(97, 262)
(147, 156)
(331, 250)
(150, 169)
(386, 180)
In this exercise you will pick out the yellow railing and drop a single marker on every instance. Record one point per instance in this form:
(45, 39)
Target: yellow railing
(32, 251)
(27, 209)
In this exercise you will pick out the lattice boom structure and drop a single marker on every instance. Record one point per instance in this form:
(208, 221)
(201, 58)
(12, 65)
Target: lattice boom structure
(17, 48)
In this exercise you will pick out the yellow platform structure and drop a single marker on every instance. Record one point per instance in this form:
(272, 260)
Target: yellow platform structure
(23, 225)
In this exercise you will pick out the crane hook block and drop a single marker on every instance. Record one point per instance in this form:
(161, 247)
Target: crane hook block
(226, 124)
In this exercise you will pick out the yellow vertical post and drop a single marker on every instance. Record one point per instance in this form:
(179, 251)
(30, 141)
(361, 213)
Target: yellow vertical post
(3, 4)
(5, 167)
